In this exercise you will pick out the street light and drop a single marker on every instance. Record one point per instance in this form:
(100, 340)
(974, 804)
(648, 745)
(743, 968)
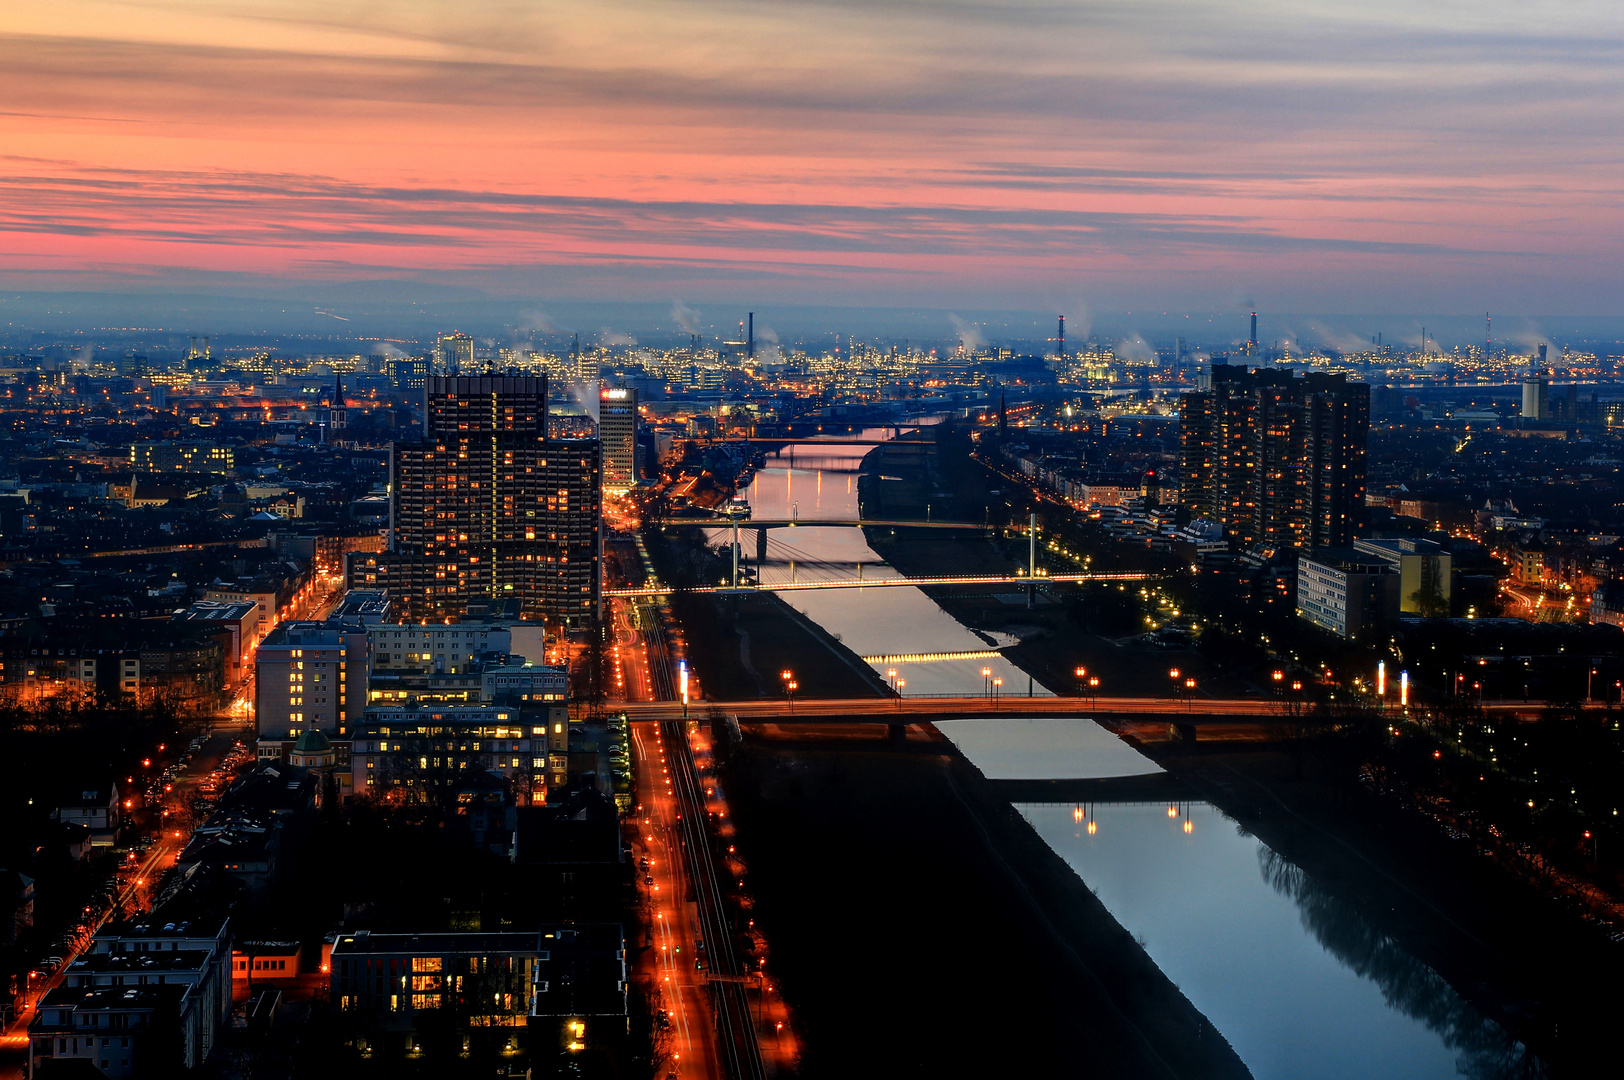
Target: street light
(986, 682)
(996, 684)
(1081, 673)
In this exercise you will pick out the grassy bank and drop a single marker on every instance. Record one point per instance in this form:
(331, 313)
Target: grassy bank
(1067, 627)
(921, 928)
(739, 646)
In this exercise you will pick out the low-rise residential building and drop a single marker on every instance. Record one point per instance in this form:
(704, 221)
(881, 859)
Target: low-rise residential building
(136, 986)
(398, 978)
(422, 749)
(560, 981)
(236, 622)
(255, 826)
(97, 807)
(143, 659)
(1425, 570)
(166, 456)
(441, 649)
(1347, 592)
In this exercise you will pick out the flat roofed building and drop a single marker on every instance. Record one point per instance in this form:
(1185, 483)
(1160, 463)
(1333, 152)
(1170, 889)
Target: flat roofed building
(1347, 592)
(402, 979)
(443, 648)
(423, 749)
(1424, 568)
(136, 984)
(617, 433)
(182, 457)
(544, 980)
(303, 672)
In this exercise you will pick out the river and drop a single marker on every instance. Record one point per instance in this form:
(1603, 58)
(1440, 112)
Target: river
(1301, 985)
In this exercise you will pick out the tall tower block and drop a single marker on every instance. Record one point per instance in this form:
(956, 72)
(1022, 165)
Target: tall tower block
(1062, 337)
(750, 338)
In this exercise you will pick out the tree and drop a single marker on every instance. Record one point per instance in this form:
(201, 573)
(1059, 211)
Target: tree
(1430, 602)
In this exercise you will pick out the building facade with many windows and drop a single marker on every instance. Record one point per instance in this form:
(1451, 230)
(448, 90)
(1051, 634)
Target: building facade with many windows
(1274, 458)
(486, 507)
(617, 432)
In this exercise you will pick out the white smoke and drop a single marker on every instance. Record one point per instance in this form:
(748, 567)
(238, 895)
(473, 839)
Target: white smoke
(384, 348)
(686, 317)
(1339, 338)
(769, 353)
(766, 333)
(86, 355)
(1529, 339)
(1134, 347)
(585, 394)
(970, 335)
(610, 338)
(536, 322)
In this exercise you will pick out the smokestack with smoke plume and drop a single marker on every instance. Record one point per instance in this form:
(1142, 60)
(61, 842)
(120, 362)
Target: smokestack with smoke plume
(686, 317)
(970, 336)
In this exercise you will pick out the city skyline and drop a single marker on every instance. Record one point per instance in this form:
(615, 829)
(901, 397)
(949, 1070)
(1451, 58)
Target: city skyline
(1074, 158)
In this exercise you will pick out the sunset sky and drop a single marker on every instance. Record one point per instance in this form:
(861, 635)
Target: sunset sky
(1383, 155)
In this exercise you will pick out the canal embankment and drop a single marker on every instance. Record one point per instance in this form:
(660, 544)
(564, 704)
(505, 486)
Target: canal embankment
(921, 927)
(1372, 873)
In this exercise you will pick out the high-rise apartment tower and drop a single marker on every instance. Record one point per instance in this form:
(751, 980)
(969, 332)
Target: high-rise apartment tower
(1276, 459)
(486, 507)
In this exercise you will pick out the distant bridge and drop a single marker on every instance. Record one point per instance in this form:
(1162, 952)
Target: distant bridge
(883, 583)
(929, 657)
(925, 709)
(724, 522)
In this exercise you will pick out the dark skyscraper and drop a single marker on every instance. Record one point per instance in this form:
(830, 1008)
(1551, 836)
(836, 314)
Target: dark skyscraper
(485, 506)
(1251, 342)
(1276, 459)
(1062, 336)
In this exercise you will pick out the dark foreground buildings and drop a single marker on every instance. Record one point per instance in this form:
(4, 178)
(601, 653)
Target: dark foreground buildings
(1274, 458)
(486, 506)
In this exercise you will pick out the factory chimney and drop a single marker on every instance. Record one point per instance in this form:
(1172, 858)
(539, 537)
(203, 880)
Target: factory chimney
(750, 338)
(1251, 342)
(1062, 337)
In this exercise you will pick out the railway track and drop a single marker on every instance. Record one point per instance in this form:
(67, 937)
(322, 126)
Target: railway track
(736, 1042)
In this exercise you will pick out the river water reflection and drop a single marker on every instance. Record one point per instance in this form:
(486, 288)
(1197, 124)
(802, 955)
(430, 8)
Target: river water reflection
(818, 481)
(1298, 982)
